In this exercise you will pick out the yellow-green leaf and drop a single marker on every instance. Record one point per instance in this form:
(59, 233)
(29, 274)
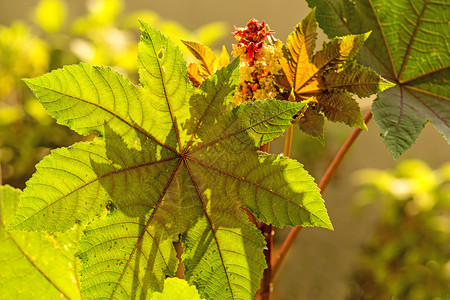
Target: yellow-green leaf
(224, 58)
(337, 51)
(299, 46)
(356, 79)
(194, 74)
(176, 289)
(35, 265)
(327, 77)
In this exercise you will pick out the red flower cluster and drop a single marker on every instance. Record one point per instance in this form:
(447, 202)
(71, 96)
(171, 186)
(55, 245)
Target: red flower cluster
(252, 38)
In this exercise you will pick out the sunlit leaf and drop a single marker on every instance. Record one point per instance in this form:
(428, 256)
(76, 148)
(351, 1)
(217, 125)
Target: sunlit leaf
(300, 44)
(356, 79)
(408, 46)
(169, 160)
(209, 63)
(176, 289)
(205, 55)
(224, 59)
(194, 74)
(328, 76)
(35, 265)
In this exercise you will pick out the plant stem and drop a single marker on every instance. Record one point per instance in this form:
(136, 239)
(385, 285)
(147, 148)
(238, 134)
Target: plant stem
(265, 288)
(265, 147)
(288, 141)
(329, 173)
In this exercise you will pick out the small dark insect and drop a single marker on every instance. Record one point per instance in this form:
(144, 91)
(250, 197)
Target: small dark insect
(109, 205)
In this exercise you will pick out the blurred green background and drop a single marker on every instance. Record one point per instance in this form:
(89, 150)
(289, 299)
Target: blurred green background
(391, 238)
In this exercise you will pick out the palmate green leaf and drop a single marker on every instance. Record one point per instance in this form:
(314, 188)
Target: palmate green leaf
(169, 160)
(328, 77)
(35, 265)
(408, 46)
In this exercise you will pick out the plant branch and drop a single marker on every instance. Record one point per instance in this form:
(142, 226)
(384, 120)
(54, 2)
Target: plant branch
(329, 173)
(265, 288)
(288, 141)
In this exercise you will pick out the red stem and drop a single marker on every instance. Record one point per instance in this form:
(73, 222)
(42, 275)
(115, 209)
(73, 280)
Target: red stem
(329, 173)
(265, 288)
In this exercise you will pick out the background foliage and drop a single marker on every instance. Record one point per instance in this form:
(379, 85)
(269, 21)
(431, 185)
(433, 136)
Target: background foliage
(408, 254)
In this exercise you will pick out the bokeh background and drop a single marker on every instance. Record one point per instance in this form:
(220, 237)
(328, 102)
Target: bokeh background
(391, 238)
